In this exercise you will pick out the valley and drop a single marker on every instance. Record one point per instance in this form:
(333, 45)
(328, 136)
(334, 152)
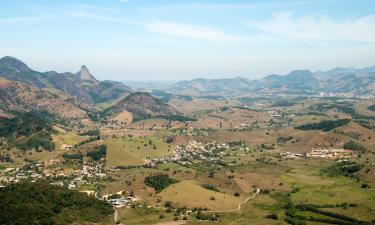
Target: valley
(195, 152)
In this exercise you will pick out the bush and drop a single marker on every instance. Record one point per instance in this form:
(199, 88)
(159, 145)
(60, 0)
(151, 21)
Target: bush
(210, 187)
(272, 216)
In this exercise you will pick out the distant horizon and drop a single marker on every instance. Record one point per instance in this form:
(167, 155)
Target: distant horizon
(197, 77)
(184, 40)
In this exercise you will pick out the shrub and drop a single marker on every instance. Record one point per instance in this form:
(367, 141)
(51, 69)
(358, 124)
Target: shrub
(272, 216)
(210, 187)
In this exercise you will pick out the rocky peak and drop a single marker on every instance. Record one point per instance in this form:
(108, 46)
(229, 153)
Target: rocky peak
(85, 75)
(14, 64)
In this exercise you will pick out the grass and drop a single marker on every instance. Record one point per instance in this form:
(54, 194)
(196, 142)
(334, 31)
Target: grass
(128, 151)
(142, 216)
(319, 190)
(190, 194)
(67, 138)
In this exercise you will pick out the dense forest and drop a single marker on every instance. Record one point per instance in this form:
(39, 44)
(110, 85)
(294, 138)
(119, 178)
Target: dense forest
(40, 203)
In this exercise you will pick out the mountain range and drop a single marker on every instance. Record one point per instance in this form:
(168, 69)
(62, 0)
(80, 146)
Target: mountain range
(356, 81)
(81, 95)
(70, 95)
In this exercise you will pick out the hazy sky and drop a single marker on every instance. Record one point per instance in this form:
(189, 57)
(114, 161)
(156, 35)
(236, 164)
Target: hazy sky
(175, 40)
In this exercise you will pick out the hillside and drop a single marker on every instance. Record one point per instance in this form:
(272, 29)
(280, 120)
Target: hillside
(142, 105)
(19, 96)
(27, 131)
(81, 85)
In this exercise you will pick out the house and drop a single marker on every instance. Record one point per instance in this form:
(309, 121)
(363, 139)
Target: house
(66, 147)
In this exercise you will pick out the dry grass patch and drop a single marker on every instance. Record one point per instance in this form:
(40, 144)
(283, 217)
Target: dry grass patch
(190, 194)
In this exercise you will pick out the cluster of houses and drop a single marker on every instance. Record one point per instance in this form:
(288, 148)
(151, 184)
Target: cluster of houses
(193, 151)
(345, 95)
(82, 174)
(329, 153)
(119, 200)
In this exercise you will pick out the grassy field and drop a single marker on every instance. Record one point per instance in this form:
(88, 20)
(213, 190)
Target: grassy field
(190, 194)
(126, 151)
(67, 138)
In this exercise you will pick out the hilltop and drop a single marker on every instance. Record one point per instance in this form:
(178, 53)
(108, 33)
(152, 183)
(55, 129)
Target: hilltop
(142, 105)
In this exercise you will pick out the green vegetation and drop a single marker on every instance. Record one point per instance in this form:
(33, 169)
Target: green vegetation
(41, 140)
(39, 203)
(308, 212)
(324, 125)
(95, 133)
(210, 187)
(352, 145)
(345, 168)
(23, 124)
(27, 131)
(159, 182)
(181, 118)
(98, 152)
(284, 139)
(72, 156)
(283, 103)
(372, 107)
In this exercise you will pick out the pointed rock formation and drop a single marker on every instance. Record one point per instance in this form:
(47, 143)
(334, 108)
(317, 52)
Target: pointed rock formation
(85, 75)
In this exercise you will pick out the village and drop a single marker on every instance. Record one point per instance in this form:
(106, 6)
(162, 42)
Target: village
(193, 151)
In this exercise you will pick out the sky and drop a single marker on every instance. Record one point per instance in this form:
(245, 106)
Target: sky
(150, 40)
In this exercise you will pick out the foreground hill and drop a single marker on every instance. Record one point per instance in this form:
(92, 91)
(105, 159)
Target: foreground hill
(142, 105)
(81, 85)
(358, 81)
(38, 203)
